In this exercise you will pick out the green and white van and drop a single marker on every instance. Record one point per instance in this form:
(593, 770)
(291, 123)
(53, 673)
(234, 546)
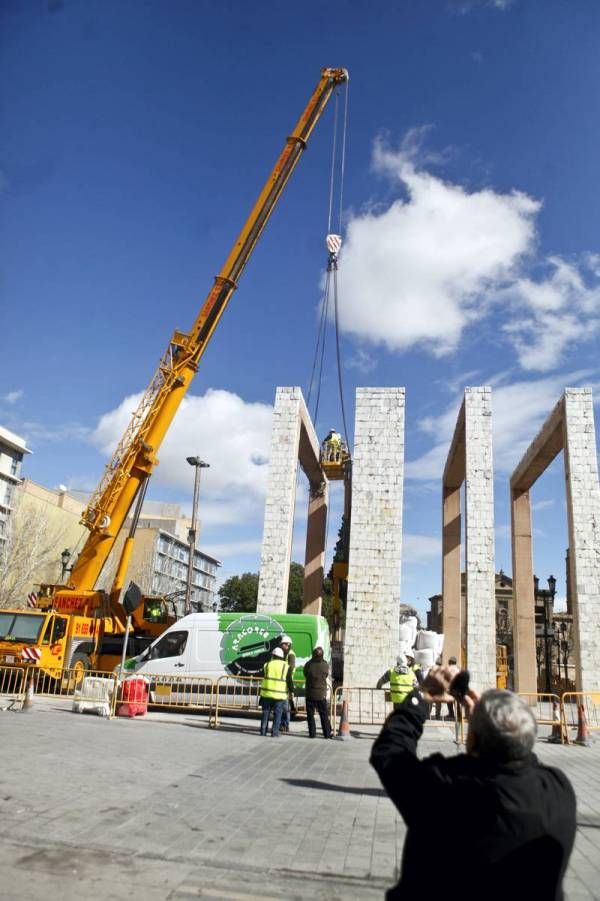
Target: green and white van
(235, 644)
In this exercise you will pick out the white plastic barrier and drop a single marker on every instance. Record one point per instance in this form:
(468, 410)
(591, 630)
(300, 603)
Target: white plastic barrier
(94, 696)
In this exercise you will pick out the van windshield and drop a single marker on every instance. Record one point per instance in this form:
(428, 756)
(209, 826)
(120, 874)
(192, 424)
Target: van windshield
(20, 626)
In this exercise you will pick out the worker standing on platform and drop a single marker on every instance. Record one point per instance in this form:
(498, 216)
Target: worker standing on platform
(402, 679)
(290, 658)
(332, 447)
(273, 692)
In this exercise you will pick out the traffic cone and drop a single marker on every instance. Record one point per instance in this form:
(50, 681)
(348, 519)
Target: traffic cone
(583, 735)
(28, 701)
(556, 738)
(344, 730)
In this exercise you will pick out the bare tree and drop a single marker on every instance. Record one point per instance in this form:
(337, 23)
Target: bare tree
(32, 544)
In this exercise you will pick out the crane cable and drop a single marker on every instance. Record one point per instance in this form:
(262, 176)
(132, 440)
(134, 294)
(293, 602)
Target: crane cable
(334, 243)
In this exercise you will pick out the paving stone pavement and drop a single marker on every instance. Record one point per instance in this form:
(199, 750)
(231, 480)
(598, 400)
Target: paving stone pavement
(165, 808)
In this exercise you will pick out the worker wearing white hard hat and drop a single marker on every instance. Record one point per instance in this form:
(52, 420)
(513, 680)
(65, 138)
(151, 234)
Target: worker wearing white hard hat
(289, 708)
(402, 678)
(273, 691)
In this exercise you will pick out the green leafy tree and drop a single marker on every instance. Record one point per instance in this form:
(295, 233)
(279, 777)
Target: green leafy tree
(239, 593)
(295, 588)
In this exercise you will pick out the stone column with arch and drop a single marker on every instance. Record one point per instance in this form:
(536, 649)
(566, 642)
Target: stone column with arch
(469, 462)
(294, 441)
(569, 428)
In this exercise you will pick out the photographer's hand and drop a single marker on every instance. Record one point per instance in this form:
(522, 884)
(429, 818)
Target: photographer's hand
(437, 682)
(470, 699)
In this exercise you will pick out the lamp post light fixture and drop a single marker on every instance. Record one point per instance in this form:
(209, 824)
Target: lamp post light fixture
(64, 560)
(546, 596)
(563, 647)
(198, 465)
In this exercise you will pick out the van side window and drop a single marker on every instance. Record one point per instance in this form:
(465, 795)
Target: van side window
(171, 645)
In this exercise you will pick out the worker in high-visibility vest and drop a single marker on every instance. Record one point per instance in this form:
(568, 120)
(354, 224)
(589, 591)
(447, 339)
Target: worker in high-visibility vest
(332, 447)
(402, 679)
(273, 691)
(289, 708)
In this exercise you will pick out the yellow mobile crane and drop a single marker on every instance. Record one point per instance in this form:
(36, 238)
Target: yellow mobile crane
(75, 625)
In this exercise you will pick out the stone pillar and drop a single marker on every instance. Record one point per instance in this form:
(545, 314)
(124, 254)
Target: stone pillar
(583, 511)
(371, 636)
(451, 587)
(479, 539)
(523, 603)
(280, 503)
(314, 561)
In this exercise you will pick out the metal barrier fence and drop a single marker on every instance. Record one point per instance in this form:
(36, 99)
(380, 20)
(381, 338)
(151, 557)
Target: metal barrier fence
(62, 683)
(369, 706)
(239, 693)
(12, 683)
(581, 711)
(366, 706)
(548, 711)
(175, 692)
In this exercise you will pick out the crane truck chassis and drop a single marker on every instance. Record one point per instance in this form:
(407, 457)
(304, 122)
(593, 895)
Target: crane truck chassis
(77, 626)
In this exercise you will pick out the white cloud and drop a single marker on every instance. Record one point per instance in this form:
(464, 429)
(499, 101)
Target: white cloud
(552, 314)
(421, 269)
(226, 549)
(363, 361)
(11, 397)
(519, 410)
(420, 548)
(418, 271)
(543, 505)
(233, 436)
(37, 433)
(466, 6)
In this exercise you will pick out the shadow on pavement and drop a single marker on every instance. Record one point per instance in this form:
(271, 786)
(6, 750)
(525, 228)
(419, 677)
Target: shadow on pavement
(331, 787)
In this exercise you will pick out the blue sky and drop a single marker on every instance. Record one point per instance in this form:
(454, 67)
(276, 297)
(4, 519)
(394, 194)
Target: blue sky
(135, 138)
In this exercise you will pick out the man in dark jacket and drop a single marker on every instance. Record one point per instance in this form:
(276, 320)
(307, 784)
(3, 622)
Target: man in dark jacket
(316, 671)
(507, 814)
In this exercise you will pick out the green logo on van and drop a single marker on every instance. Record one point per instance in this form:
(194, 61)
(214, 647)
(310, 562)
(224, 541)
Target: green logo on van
(248, 643)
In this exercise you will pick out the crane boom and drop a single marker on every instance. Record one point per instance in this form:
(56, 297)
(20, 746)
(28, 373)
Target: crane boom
(135, 456)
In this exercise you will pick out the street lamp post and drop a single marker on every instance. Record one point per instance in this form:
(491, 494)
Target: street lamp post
(198, 464)
(547, 598)
(64, 561)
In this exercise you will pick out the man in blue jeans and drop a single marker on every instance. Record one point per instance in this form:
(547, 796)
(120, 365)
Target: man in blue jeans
(273, 692)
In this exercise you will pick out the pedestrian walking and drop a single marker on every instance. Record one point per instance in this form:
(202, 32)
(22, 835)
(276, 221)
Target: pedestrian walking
(316, 672)
(507, 813)
(273, 692)
(402, 678)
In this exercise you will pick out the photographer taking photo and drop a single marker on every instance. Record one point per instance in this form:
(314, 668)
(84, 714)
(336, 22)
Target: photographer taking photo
(510, 820)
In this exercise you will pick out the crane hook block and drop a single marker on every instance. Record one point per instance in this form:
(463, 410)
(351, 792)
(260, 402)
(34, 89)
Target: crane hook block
(334, 244)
